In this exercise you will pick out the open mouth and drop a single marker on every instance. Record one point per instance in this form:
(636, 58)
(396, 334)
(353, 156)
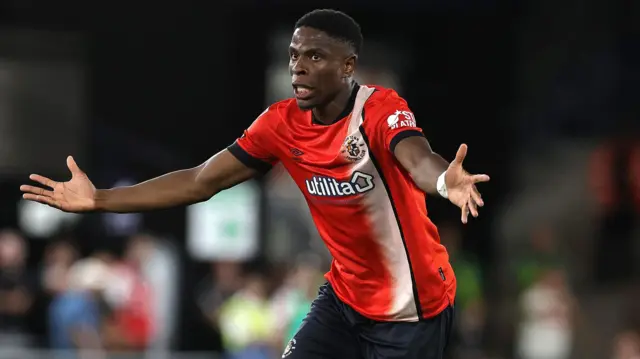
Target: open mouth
(302, 92)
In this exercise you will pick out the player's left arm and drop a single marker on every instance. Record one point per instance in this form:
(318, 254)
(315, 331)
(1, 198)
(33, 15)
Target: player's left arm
(425, 166)
(429, 171)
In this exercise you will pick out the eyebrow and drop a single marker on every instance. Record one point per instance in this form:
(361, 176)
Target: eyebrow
(307, 50)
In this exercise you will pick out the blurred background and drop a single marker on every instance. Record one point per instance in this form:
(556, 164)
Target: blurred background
(544, 92)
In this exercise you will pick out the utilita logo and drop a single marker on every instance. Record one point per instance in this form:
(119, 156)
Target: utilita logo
(330, 187)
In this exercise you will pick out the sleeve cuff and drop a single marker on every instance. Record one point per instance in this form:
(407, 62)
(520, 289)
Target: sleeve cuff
(401, 136)
(248, 160)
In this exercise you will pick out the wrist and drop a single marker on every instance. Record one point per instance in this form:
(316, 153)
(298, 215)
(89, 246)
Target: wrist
(100, 200)
(441, 185)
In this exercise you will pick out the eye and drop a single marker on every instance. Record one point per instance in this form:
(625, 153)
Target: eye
(316, 57)
(293, 56)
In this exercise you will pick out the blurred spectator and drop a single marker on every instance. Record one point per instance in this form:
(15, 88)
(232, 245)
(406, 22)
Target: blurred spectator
(105, 256)
(224, 279)
(130, 327)
(626, 346)
(245, 321)
(634, 175)
(539, 257)
(53, 275)
(614, 172)
(16, 290)
(75, 314)
(58, 259)
(160, 271)
(292, 301)
(612, 179)
(546, 329)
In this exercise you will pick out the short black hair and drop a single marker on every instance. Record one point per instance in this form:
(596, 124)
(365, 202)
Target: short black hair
(336, 24)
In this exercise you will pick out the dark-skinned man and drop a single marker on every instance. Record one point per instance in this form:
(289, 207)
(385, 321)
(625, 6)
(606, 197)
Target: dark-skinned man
(364, 167)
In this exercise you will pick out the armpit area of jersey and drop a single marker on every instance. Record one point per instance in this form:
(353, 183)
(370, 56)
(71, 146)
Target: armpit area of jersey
(248, 160)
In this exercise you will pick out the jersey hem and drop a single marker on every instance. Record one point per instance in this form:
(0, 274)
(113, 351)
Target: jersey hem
(445, 303)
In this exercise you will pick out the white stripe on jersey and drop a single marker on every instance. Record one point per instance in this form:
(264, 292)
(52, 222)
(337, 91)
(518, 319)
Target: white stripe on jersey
(385, 226)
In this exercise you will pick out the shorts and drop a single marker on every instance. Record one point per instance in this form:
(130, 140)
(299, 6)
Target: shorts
(333, 330)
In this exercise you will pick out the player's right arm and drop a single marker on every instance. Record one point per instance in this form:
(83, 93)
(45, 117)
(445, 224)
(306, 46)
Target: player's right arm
(240, 162)
(177, 188)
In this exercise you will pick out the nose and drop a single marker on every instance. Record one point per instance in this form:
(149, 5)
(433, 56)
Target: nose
(297, 68)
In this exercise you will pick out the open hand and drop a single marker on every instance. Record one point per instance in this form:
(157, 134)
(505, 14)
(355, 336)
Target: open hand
(75, 195)
(461, 186)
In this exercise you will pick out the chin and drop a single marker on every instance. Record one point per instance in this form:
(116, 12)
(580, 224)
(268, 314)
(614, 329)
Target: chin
(305, 105)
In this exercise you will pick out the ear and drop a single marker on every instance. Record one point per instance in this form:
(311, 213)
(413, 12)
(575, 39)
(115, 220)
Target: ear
(350, 65)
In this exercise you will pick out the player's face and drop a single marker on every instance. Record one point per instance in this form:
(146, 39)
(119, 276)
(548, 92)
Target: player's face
(320, 66)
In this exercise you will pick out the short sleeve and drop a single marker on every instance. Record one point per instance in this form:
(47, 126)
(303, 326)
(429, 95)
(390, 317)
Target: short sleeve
(253, 147)
(397, 123)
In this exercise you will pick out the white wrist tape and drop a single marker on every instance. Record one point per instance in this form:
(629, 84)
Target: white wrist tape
(441, 186)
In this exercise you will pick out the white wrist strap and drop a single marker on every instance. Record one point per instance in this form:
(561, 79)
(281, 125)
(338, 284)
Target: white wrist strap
(441, 186)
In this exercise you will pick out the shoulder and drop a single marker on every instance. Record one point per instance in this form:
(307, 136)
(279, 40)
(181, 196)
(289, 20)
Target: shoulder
(279, 112)
(282, 109)
(384, 95)
(270, 118)
(384, 101)
(387, 117)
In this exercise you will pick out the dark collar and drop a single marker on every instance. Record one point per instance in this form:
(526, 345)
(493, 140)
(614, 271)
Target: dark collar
(347, 110)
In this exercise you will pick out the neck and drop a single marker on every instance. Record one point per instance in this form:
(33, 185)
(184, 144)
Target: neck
(328, 112)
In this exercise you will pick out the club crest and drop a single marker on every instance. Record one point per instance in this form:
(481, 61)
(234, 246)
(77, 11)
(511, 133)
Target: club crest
(353, 148)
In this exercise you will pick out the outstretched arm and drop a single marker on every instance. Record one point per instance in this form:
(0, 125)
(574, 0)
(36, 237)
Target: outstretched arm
(433, 174)
(182, 187)
(424, 165)
(249, 155)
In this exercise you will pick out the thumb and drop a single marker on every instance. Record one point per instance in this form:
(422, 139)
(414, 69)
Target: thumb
(460, 155)
(73, 166)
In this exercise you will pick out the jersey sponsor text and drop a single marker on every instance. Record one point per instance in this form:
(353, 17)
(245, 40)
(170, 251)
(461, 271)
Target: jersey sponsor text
(324, 186)
(401, 119)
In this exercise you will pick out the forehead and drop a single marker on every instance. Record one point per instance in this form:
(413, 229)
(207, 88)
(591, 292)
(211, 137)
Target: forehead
(306, 37)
